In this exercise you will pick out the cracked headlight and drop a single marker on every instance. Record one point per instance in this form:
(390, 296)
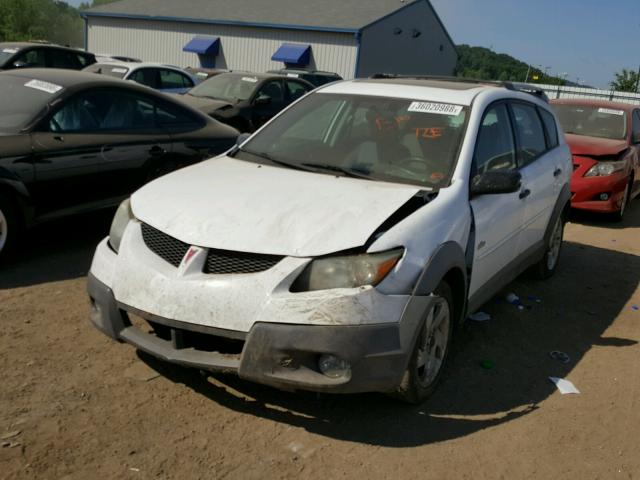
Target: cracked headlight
(347, 271)
(120, 221)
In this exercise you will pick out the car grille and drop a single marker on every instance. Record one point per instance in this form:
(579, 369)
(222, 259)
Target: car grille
(218, 262)
(223, 261)
(165, 246)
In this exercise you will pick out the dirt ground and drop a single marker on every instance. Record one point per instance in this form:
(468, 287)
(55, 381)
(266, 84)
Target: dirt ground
(76, 405)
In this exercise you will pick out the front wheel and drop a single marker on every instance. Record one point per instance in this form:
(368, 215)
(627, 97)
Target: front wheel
(619, 215)
(549, 262)
(431, 349)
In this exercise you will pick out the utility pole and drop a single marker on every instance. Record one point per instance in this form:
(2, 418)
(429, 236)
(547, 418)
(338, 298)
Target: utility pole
(638, 80)
(526, 79)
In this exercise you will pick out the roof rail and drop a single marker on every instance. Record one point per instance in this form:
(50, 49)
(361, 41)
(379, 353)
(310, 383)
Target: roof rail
(515, 86)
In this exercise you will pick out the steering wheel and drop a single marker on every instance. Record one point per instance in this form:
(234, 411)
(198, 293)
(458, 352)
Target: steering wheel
(416, 166)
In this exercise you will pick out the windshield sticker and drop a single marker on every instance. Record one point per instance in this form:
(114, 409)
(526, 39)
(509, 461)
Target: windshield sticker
(44, 86)
(429, 132)
(293, 75)
(119, 70)
(609, 111)
(201, 74)
(437, 108)
(9, 50)
(250, 79)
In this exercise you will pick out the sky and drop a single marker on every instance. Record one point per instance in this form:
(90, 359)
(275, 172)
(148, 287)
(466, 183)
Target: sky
(588, 39)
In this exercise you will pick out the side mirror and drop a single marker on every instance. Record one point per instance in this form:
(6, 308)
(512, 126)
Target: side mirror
(495, 182)
(242, 138)
(263, 100)
(20, 64)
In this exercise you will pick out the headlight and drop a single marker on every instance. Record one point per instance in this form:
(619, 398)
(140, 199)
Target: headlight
(602, 169)
(347, 271)
(120, 220)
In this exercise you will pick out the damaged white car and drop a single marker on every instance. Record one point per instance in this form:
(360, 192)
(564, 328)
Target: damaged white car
(337, 248)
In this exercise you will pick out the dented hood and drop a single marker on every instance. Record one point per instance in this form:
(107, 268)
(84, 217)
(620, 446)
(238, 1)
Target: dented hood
(237, 205)
(594, 146)
(204, 104)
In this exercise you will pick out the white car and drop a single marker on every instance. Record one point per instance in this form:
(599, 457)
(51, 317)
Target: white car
(165, 78)
(338, 247)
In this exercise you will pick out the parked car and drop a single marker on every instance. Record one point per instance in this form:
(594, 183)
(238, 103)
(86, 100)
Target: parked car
(201, 73)
(42, 55)
(75, 141)
(315, 77)
(604, 138)
(166, 78)
(245, 100)
(335, 249)
(107, 57)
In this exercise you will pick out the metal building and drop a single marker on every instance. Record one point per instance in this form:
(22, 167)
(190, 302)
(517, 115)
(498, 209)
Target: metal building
(354, 38)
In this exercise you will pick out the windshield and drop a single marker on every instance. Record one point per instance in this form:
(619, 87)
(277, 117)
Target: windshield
(593, 121)
(22, 100)
(228, 87)
(6, 54)
(388, 139)
(111, 70)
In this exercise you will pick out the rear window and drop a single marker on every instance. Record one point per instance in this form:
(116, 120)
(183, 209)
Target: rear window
(22, 100)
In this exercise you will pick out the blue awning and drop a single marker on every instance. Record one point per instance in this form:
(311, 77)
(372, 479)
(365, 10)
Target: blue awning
(203, 46)
(293, 54)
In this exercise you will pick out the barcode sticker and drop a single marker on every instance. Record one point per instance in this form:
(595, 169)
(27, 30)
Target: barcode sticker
(9, 50)
(437, 108)
(119, 70)
(610, 111)
(44, 86)
(250, 79)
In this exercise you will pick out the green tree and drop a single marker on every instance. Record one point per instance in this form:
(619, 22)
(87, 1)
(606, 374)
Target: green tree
(625, 81)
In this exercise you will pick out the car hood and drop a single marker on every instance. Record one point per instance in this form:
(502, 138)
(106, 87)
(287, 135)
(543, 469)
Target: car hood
(204, 104)
(237, 205)
(594, 146)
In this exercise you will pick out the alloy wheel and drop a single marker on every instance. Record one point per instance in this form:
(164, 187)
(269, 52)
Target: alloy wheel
(555, 242)
(434, 340)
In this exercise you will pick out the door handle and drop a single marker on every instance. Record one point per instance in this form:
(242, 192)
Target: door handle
(157, 151)
(557, 172)
(524, 193)
(58, 138)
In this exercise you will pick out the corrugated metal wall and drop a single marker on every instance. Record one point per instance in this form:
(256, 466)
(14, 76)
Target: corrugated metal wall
(242, 48)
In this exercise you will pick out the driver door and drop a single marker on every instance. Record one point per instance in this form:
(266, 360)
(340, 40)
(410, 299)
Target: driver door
(498, 218)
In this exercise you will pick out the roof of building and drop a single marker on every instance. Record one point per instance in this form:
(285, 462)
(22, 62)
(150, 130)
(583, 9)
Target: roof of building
(332, 15)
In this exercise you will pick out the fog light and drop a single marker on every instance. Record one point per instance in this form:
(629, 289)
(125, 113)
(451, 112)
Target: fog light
(334, 367)
(604, 197)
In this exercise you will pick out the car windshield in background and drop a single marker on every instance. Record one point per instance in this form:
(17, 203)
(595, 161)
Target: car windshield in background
(105, 69)
(228, 87)
(593, 121)
(388, 139)
(22, 100)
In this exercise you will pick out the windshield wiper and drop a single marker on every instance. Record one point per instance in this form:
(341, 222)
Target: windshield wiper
(336, 168)
(267, 156)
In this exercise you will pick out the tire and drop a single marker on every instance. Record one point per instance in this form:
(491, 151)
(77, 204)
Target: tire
(547, 265)
(419, 380)
(619, 215)
(10, 228)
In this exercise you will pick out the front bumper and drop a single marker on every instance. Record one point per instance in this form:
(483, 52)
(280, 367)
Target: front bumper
(586, 191)
(276, 354)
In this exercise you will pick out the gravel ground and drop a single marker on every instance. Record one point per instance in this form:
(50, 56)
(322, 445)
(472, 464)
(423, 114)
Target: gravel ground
(76, 405)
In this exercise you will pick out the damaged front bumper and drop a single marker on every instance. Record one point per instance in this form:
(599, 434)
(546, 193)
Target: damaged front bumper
(275, 354)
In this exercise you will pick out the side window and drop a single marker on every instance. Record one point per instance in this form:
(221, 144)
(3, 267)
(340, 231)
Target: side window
(33, 58)
(172, 116)
(495, 149)
(172, 79)
(104, 110)
(82, 60)
(295, 90)
(635, 128)
(63, 59)
(274, 90)
(530, 132)
(145, 76)
(550, 127)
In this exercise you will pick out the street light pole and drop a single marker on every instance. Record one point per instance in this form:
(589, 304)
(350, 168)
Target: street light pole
(526, 79)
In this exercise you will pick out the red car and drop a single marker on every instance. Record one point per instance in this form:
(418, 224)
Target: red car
(604, 138)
